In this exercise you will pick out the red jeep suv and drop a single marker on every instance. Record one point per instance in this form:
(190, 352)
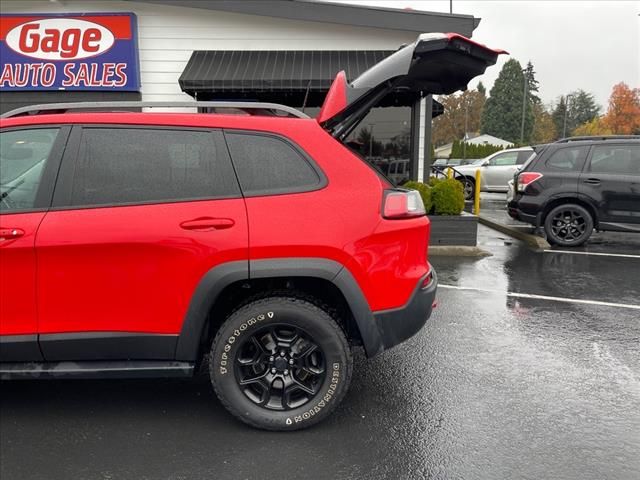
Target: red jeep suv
(139, 244)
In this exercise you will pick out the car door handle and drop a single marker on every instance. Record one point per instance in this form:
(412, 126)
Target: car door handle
(207, 224)
(10, 233)
(593, 181)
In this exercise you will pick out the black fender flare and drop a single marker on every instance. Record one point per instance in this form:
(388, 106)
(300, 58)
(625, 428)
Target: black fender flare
(212, 284)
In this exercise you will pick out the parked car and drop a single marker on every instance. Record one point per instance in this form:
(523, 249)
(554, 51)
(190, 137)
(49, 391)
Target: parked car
(496, 170)
(399, 171)
(136, 244)
(577, 184)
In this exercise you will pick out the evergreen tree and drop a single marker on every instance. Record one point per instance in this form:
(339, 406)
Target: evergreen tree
(502, 114)
(532, 84)
(482, 89)
(580, 107)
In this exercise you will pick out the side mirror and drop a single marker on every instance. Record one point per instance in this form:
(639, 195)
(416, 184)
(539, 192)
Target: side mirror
(486, 163)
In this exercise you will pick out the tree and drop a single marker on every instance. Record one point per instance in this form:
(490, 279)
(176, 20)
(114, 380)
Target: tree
(461, 115)
(623, 115)
(544, 128)
(596, 126)
(502, 114)
(580, 107)
(482, 89)
(532, 84)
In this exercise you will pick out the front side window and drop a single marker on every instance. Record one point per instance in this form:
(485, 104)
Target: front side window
(137, 165)
(504, 159)
(23, 154)
(268, 164)
(616, 159)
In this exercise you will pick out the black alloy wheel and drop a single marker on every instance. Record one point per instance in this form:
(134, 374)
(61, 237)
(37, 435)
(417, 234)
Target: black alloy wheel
(568, 225)
(280, 367)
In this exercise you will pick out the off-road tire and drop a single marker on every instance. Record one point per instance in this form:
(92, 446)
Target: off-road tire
(259, 314)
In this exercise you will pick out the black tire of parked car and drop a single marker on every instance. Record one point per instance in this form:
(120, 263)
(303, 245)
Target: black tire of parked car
(468, 187)
(281, 363)
(568, 225)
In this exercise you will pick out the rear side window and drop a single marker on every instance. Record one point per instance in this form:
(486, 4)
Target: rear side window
(137, 165)
(523, 157)
(616, 159)
(268, 164)
(23, 154)
(569, 159)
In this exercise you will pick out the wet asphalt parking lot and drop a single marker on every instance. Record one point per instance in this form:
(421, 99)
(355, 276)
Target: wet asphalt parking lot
(502, 383)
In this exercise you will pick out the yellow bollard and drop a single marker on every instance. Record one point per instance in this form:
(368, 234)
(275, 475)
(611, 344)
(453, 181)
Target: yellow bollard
(476, 194)
(449, 172)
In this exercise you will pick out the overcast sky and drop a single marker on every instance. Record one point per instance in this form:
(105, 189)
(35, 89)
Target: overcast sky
(573, 44)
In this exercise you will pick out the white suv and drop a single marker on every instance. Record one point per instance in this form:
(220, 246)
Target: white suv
(496, 171)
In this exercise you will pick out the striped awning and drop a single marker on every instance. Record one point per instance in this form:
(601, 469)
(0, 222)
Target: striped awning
(273, 70)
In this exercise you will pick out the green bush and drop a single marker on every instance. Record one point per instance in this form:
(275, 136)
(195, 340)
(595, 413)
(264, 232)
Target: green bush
(424, 190)
(447, 196)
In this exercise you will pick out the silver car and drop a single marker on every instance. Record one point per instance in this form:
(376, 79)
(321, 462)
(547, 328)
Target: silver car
(496, 171)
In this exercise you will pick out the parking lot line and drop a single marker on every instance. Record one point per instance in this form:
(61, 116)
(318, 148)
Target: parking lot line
(544, 297)
(624, 255)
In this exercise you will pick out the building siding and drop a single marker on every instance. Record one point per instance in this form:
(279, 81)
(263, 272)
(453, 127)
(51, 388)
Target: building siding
(167, 36)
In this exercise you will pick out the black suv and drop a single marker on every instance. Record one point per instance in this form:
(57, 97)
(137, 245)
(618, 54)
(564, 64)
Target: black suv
(577, 184)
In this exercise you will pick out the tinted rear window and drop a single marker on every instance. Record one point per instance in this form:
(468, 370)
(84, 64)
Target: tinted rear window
(137, 165)
(569, 159)
(269, 164)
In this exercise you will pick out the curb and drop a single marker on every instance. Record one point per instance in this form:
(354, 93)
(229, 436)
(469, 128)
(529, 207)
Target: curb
(530, 239)
(457, 251)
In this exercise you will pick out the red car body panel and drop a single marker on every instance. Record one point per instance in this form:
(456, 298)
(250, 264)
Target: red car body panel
(18, 314)
(130, 268)
(341, 222)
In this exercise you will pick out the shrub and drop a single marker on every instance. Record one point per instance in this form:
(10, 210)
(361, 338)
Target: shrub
(424, 190)
(447, 196)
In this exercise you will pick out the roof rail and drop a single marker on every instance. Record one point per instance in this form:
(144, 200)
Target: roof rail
(109, 106)
(598, 137)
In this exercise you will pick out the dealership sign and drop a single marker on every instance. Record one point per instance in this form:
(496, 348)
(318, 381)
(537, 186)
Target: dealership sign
(69, 52)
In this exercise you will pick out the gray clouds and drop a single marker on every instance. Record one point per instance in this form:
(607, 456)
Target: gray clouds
(572, 44)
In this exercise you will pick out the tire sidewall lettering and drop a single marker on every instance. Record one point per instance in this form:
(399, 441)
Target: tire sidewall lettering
(237, 332)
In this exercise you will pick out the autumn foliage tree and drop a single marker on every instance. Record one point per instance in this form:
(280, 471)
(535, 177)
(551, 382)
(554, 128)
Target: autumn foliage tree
(461, 115)
(623, 115)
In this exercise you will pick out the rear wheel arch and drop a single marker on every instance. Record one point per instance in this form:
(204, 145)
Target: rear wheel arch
(224, 288)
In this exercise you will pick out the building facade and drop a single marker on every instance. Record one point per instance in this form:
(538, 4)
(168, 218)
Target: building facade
(177, 50)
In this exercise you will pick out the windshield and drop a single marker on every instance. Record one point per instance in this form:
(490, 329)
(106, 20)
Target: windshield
(479, 161)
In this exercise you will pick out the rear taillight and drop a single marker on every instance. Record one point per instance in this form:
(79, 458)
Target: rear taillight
(527, 178)
(402, 204)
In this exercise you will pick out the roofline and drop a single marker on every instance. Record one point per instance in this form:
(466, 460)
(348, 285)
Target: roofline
(337, 13)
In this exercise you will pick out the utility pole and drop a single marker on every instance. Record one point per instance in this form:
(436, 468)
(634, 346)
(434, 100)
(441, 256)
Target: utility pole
(524, 105)
(566, 108)
(450, 6)
(466, 127)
